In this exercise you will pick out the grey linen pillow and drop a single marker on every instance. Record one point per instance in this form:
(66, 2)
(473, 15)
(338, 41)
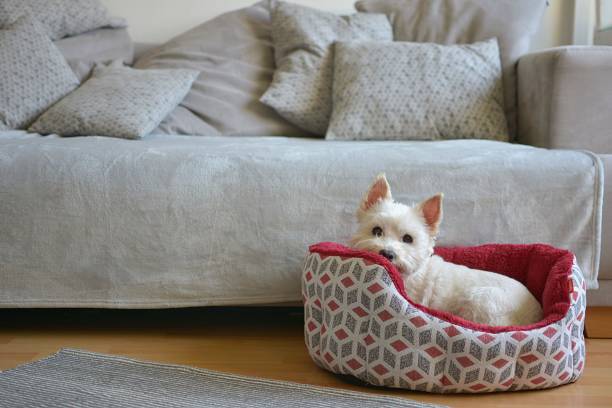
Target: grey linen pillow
(61, 18)
(303, 39)
(403, 91)
(235, 56)
(117, 101)
(512, 22)
(33, 73)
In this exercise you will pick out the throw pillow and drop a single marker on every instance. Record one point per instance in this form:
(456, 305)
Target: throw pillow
(61, 18)
(512, 22)
(33, 73)
(117, 101)
(301, 90)
(402, 91)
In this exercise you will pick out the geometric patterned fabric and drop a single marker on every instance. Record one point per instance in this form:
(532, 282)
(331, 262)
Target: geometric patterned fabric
(357, 323)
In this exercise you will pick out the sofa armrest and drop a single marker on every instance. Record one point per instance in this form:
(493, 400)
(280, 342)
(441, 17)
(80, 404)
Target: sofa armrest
(565, 98)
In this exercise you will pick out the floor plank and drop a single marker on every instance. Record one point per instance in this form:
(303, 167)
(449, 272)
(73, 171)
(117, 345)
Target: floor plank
(263, 342)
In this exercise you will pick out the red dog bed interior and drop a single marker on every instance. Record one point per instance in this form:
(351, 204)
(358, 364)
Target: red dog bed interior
(544, 270)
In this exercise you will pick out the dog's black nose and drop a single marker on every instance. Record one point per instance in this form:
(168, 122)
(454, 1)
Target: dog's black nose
(387, 254)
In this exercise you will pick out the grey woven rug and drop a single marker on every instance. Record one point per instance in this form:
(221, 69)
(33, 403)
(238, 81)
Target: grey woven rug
(78, 378)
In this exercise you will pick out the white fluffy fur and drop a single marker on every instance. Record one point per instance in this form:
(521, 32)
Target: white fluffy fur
(479, 296)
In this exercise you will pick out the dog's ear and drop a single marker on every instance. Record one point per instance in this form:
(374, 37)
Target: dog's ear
(379, 191)
(431, 209)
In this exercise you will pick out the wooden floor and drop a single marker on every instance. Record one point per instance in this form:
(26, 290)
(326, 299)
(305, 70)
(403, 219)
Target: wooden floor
(256, 342)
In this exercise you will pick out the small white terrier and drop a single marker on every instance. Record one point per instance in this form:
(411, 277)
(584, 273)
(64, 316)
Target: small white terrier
(406, 237)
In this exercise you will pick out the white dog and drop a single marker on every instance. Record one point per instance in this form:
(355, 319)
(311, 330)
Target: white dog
(406, 237)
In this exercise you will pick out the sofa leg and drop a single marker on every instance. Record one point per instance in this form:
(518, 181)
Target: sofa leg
(598, 323)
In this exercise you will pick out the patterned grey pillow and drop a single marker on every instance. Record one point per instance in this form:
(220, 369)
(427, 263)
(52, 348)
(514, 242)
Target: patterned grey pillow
(401, 90)
(117, 101)
(33, 73)
(303, 38)
(512, 22)
(61, 18)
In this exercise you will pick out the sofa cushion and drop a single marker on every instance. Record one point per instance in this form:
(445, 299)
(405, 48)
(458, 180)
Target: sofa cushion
(235, 56)
(33, 73)
(512, 22)
(303, 37)
(403, 91)
(172, 221)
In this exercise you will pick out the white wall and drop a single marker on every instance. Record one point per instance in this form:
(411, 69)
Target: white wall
(159, 20)
(557, 25)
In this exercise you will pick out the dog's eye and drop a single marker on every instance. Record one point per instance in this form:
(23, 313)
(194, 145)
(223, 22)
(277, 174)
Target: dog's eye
(407, 239)
(377, 231)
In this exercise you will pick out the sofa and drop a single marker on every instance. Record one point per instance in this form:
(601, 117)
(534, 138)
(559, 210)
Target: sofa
(226, 219)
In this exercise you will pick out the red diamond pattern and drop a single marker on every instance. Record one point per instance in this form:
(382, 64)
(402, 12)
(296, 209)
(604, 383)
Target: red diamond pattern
(402, 328)
(434, 352)
(354, 364)
(385, 315)
(347, 282)
(451, 331)
(359, 311)
(519, 336)
(311, 326)
(328, 357)
(529, 358)
(500, 363)
(550, 332)
(486, 338)
(465, 361)
(380, 369)
(559, 355)
(418, 321)
(414, 375)
(341, 334)
(399, 345)
(375, 288)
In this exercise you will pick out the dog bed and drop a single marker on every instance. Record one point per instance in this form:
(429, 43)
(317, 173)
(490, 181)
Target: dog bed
(359, 321)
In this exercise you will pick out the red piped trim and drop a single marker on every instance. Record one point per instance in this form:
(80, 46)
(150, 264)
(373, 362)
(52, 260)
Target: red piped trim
(543, 269)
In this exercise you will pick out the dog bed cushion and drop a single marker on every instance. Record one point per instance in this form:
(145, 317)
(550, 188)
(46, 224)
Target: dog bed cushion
(359, 321)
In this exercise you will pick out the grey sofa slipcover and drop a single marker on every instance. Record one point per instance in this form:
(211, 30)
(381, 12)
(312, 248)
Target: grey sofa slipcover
(171, 221)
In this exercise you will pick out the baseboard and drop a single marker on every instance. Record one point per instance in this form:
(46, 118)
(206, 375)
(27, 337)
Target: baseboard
(598, 323)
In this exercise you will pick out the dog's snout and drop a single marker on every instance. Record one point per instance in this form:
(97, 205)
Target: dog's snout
(390, 255)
